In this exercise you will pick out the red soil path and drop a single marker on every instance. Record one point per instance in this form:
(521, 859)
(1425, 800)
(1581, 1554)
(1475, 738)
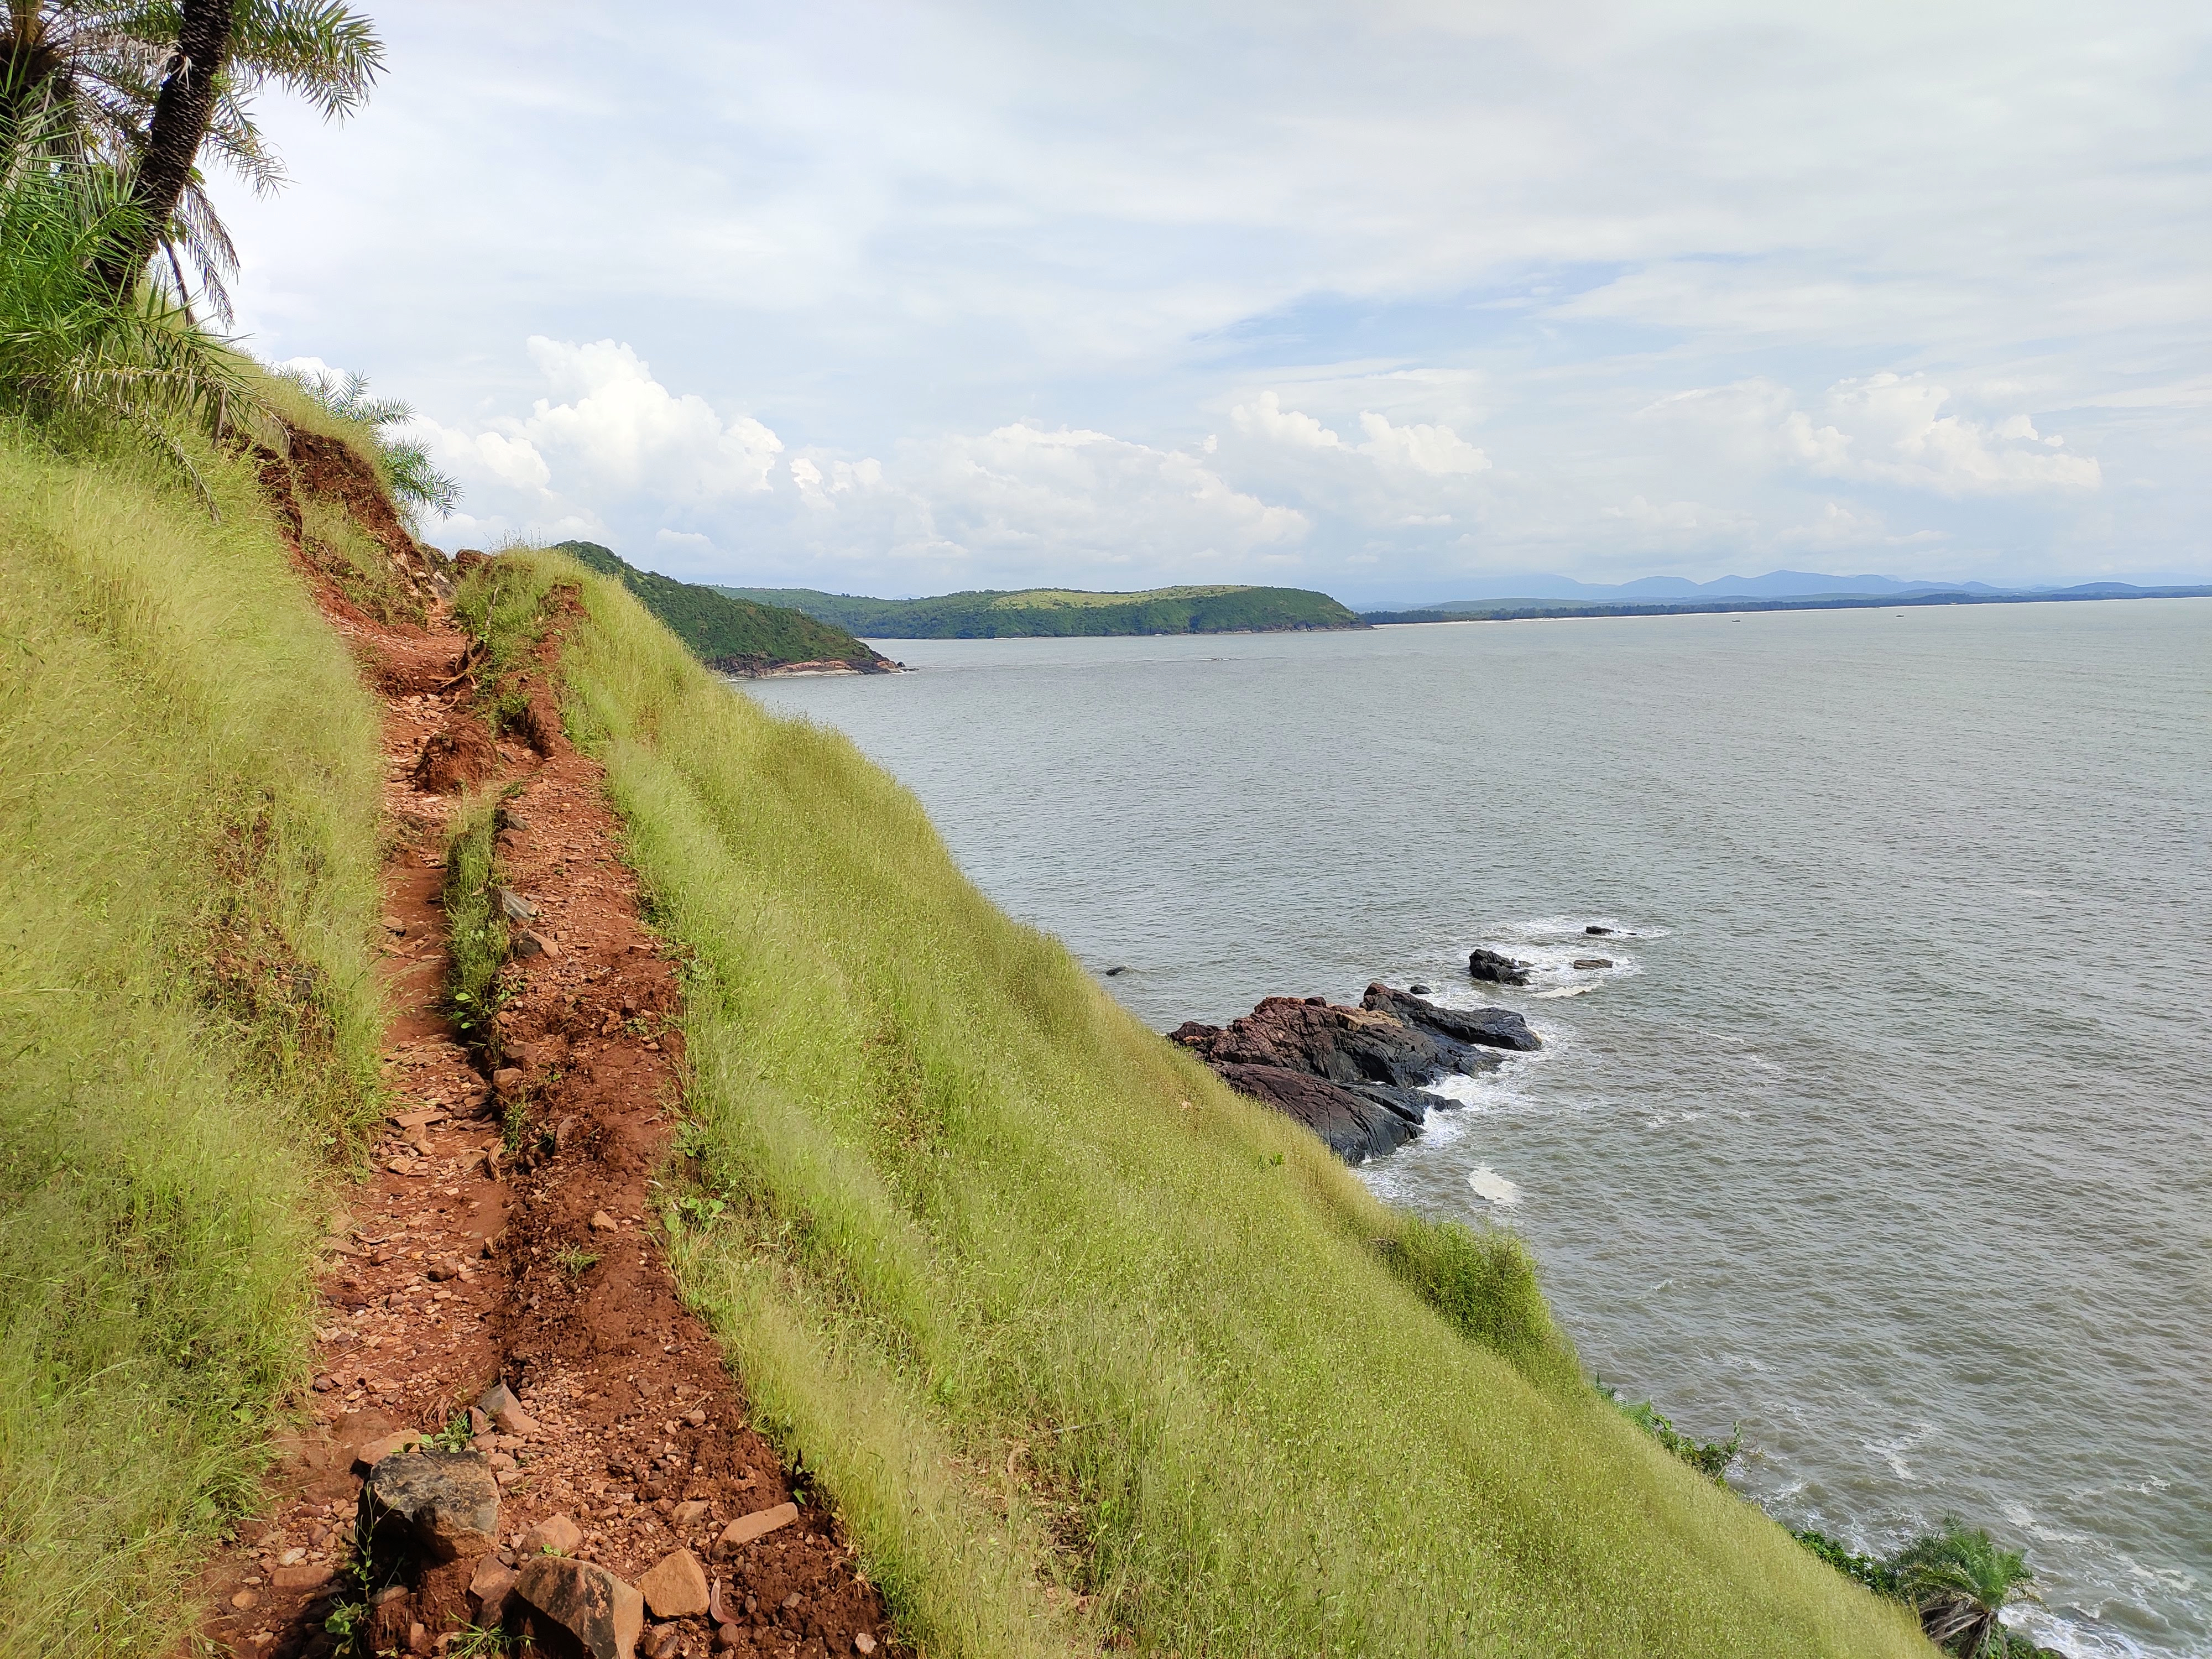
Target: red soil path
(457, 1265)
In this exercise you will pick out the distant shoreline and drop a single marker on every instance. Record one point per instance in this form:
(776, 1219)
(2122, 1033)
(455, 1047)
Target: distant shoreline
(1720, 607)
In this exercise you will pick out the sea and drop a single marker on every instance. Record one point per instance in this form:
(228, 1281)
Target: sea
(1883, 1134)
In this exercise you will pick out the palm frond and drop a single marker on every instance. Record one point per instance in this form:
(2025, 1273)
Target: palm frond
(1962, 1580)
(416, 485)
(71, 352)
(87, 73)
(318, 49)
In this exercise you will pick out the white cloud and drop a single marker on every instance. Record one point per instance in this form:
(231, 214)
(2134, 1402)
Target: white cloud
(1838, 526)
(1091, 496)
(1887, 428)
(623, 429)
(1266, 417)
(1434, 449)
(1674, 515)
(622, 451)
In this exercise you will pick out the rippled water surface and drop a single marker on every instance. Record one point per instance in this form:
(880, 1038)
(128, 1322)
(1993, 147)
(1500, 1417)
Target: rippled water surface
(1889, 1132)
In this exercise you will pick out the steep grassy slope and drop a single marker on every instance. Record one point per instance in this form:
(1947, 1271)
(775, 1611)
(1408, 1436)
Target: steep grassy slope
(1084, 1345)
(188, 791)
(1058, 611)
(736, 635)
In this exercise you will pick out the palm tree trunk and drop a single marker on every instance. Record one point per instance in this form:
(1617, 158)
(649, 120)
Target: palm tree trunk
(181, 113)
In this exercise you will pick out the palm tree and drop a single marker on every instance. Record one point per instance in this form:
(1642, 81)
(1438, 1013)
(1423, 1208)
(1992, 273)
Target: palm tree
(144, 87)
(1961, 1582)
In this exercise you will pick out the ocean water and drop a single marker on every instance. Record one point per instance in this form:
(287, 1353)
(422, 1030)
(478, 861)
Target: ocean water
(1889, 1132)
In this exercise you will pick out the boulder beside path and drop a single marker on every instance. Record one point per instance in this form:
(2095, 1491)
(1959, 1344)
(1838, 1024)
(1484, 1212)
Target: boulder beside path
(437, 1505)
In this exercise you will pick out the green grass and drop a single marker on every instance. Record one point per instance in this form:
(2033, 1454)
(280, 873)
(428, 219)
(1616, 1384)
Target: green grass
(359, 568)
(1028, 612)
(189, 1022)
(1083, 1345)
(735, 634)
(476, 931)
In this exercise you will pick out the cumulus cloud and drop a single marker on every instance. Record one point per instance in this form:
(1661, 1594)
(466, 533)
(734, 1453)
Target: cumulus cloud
(1887, 428)
(614, 453)
(1266, 417)
(1092, 495)
(1435, 449)
(622, 428)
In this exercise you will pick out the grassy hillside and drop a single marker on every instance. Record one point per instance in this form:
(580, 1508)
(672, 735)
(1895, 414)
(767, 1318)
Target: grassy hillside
(1046, 611)
(736, 635)
(188, 853)
(1084, 1346)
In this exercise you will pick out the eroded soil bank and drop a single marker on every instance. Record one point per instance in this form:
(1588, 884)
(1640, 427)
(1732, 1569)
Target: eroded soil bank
(503, 1237)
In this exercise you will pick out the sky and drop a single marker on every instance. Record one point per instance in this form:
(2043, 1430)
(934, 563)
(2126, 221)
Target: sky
(1391, 298)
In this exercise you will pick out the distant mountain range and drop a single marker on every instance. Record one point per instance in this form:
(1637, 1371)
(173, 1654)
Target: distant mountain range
(1049, 611)
(1774, 585)
(1778, 590)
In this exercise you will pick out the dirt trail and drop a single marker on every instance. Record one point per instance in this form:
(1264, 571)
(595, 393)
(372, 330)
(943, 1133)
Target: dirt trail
(459, 1265)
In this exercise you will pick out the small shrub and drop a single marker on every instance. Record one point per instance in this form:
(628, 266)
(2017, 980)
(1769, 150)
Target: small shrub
(1711, 1458)
(1485, 1284)
(414, 484)
(1875, 1573)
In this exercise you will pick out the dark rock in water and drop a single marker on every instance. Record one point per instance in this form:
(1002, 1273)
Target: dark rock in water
(1593, 961)
(1355, 1126)
(1418, 990)
(1494, 1028)
(1345, 1045)
(1497, 969)
(1354, 1076)
(1596, 932)
(1110, 972)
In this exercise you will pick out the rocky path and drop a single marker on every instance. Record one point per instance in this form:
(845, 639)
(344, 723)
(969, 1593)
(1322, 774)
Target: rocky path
(500, 1328)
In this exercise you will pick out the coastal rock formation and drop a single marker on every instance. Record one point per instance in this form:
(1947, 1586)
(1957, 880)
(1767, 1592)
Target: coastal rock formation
(1357, 1124)
(1356, 1077)
(1490, 1028)
(1497, 968)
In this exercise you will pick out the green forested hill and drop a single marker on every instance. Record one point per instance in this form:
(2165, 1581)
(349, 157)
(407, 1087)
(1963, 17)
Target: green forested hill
(1048, 611)
(734, 633)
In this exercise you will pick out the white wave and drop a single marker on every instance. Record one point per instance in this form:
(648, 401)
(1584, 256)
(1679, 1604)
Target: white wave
(2074, 1637)
(1493, 1188)
(1465, 1090)
(1540, 930)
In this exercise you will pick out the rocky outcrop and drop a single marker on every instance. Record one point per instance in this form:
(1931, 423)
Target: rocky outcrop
(1356, 1077)
(1499, 969)
(1356, 1123)
(1492, 1028)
